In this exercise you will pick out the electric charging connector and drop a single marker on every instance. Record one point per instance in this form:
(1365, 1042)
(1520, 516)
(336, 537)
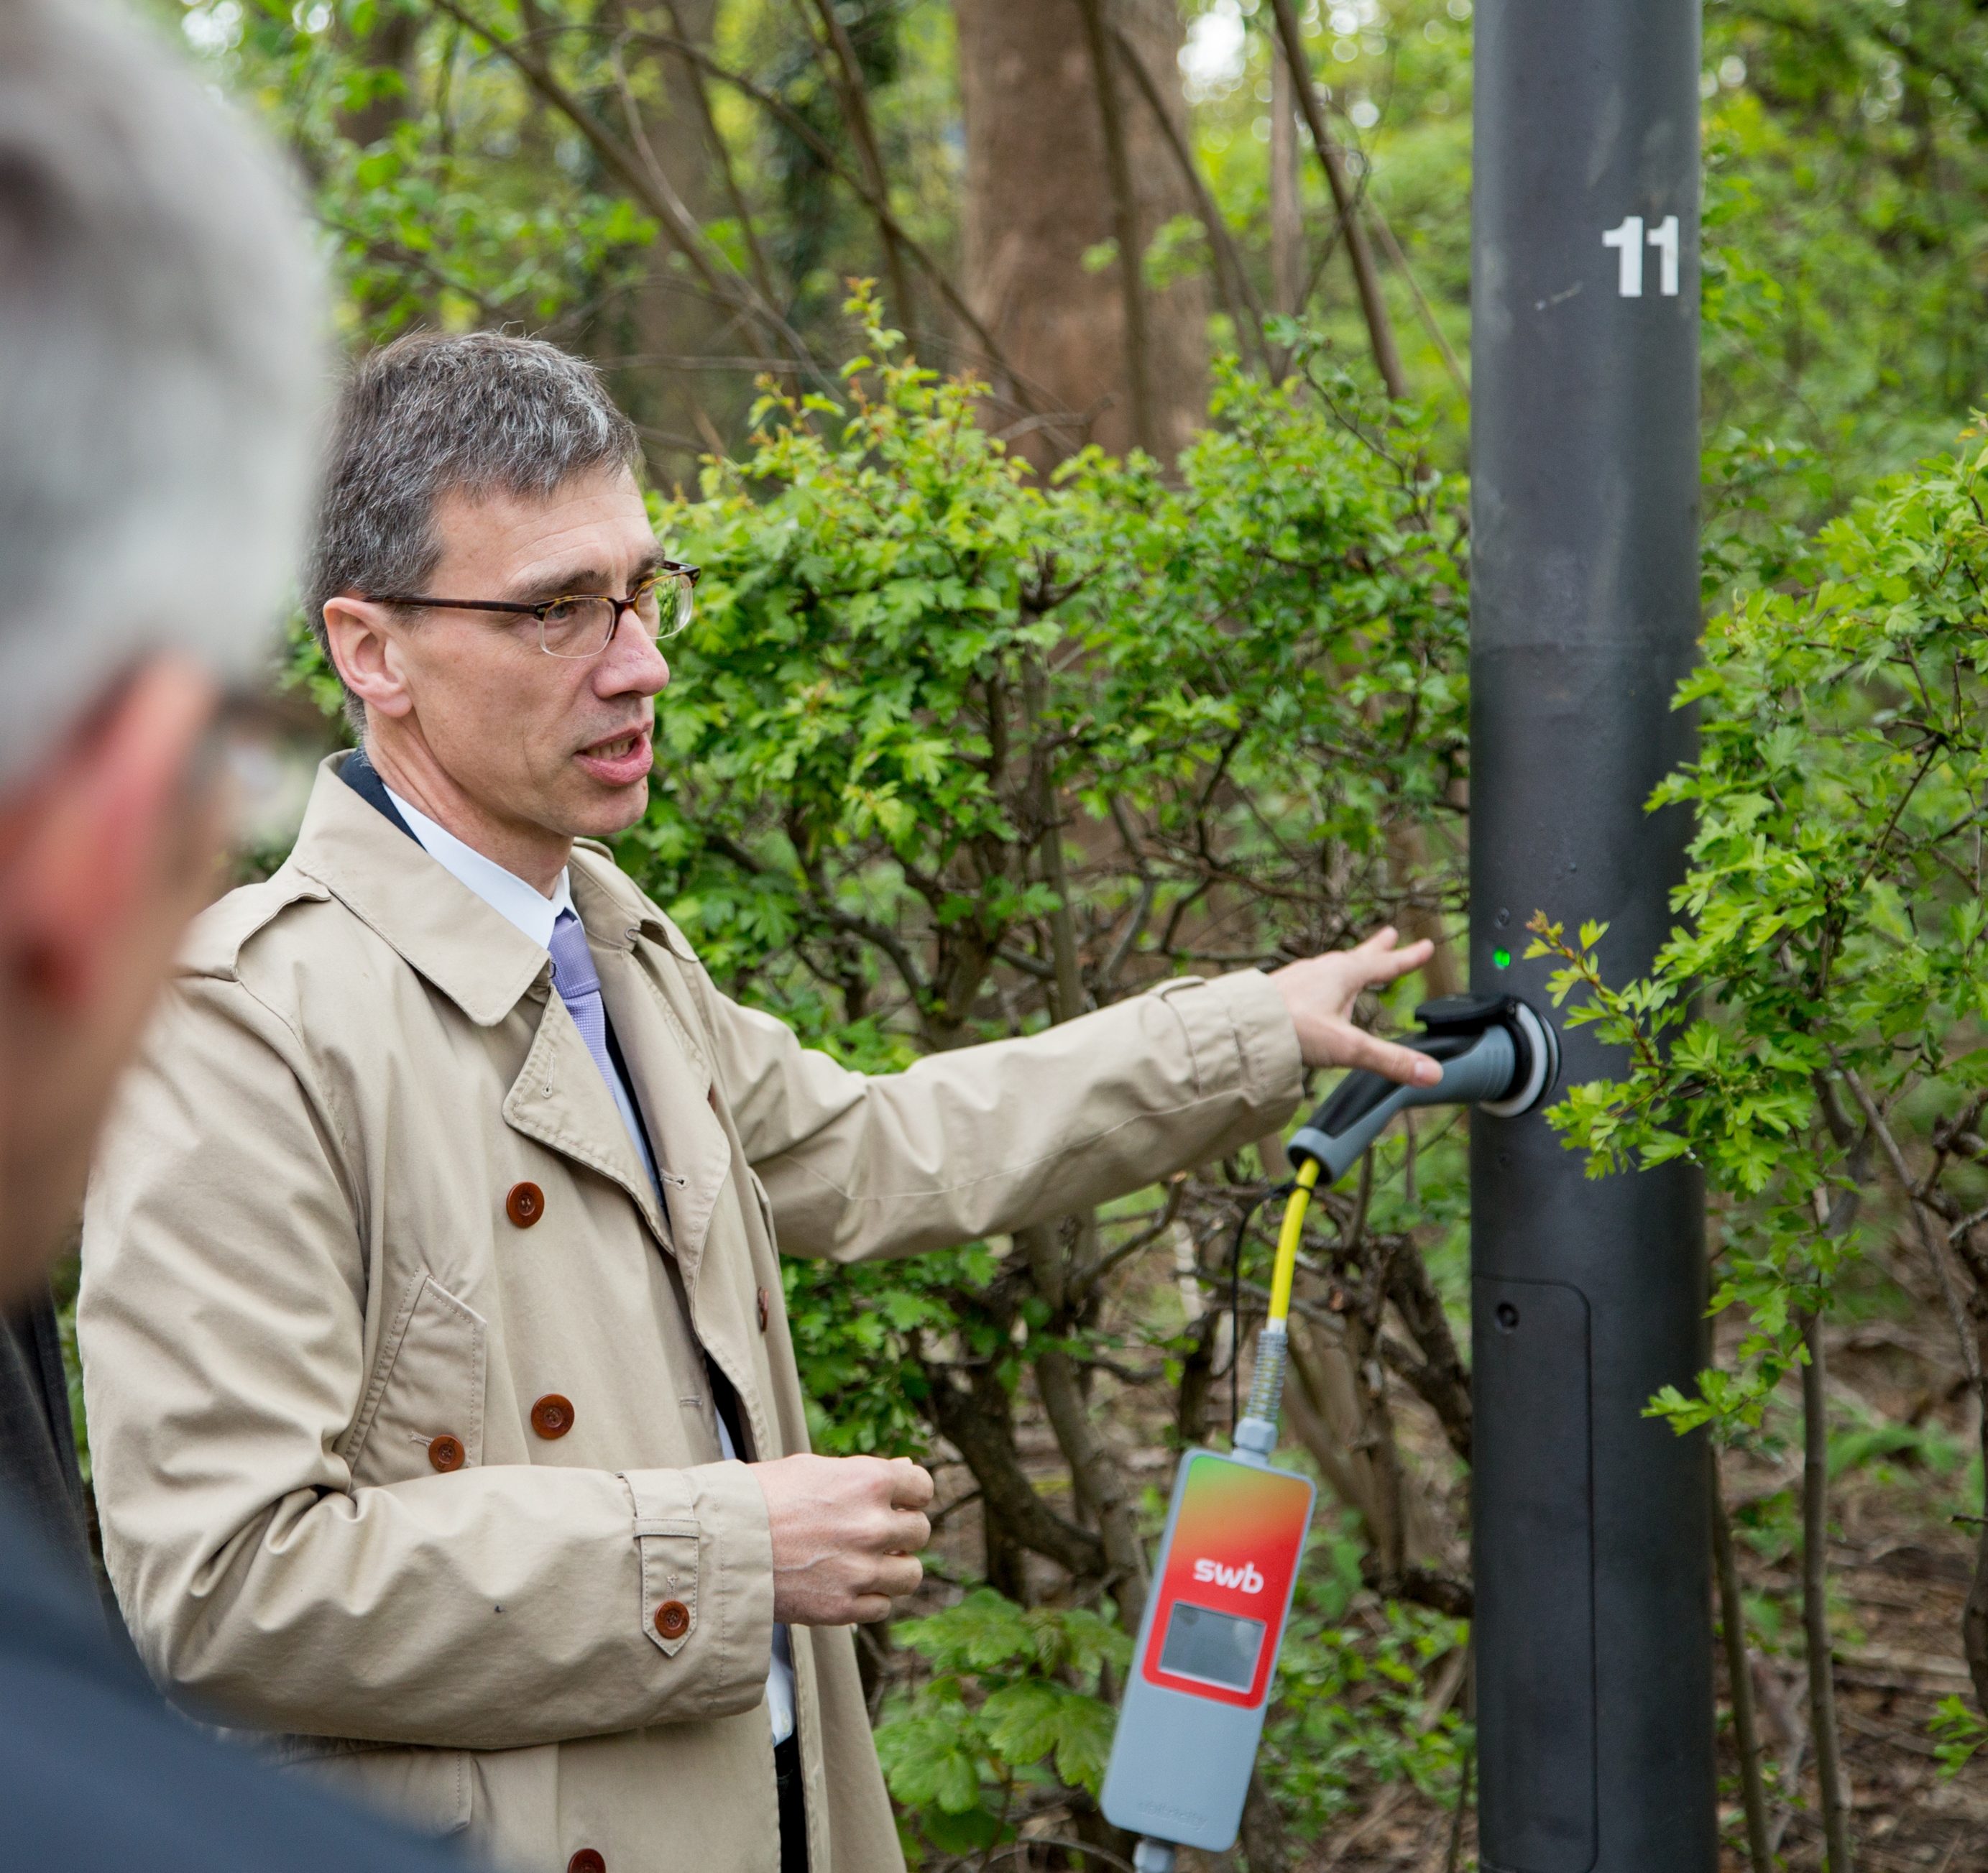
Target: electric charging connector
(1193, 1707)
(1495, 1052)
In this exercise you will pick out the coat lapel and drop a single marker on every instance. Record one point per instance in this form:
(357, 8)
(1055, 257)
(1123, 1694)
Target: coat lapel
(559, 1100)
(484, 965)
(671, 1081)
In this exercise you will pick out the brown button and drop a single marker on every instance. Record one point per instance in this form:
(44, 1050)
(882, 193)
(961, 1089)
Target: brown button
(552, 1415)
(525, 1204)
(673, 1619)
(586, 1861)
(764, 1301)
(445, 1453)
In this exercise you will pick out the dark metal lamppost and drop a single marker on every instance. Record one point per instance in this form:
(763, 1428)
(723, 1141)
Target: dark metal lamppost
(1593, 1632)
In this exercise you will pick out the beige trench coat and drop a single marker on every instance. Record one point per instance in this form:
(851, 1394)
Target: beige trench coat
(300, 1271)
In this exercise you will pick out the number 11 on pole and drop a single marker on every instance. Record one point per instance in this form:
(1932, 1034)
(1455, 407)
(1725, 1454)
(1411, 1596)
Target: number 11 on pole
(1628, 240)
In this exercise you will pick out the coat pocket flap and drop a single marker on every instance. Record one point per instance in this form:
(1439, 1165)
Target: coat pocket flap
(426, 1389)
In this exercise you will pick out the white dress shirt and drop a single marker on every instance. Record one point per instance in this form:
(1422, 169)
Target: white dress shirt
(534, 913)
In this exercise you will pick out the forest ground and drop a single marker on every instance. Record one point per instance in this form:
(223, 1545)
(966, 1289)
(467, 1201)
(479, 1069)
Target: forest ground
(1900, 1565)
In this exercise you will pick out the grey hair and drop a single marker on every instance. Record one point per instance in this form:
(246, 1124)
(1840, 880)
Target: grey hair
(431, 414)
(161, 366)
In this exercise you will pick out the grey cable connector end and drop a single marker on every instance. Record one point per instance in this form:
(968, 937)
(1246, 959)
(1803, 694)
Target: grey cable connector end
(1151, 1856)
(1255, 1438)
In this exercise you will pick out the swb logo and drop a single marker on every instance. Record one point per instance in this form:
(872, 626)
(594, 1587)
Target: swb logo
(1245, 1577)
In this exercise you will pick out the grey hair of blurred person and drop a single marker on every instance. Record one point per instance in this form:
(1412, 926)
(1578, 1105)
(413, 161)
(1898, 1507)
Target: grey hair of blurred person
(432, 414)
(161, 365)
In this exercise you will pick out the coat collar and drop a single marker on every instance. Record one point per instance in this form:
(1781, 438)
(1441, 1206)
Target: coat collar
(611, 907)
(483, 963)
(440, 927)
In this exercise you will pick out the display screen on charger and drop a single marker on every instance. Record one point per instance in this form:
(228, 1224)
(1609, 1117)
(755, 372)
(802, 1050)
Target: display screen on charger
(1218, 1648)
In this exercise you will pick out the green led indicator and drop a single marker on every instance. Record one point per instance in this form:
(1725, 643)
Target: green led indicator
(1503, 958)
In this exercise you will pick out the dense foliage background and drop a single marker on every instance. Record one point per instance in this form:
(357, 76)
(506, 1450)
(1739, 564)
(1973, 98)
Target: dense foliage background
(1085, 603)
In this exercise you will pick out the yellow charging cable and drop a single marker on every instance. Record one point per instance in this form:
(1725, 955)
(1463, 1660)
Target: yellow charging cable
(1256, 1433)
(1286, 1267)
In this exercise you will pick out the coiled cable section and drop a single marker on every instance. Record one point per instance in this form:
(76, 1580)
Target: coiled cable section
(1257, 1435)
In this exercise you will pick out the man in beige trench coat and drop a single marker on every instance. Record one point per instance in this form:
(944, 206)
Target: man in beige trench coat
(431, 1281)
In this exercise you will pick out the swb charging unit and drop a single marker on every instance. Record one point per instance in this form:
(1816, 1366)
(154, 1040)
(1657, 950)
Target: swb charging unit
(1193, 1709)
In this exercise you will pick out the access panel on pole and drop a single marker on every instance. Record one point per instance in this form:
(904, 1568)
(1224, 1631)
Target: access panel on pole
(1592, 1629)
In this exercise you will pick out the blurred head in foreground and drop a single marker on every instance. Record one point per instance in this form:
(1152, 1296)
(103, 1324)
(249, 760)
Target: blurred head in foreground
(159, 368)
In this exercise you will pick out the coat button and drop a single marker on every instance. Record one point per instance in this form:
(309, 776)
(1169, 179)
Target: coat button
(673, 1619)
(586, 1861)
(445, 1453)
(525, 1204)
(765, 1300)
(552, 1415)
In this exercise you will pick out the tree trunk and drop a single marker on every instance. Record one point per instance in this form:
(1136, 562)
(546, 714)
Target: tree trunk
(667, 319)
(1833, 1792)
(1039, 198)
(1287, 207)
(387, 46)
(1746, 1732)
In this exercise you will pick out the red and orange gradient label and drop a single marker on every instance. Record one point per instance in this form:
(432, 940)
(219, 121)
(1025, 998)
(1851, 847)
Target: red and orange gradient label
(1226, 1584)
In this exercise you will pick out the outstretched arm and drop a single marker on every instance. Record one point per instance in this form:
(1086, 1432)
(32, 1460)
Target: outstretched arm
(990, 1139)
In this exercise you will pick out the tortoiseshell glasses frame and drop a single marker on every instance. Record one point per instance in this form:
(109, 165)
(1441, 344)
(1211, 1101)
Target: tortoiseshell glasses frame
(581, 624)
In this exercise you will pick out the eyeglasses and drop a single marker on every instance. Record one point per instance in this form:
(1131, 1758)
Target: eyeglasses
(583, 624)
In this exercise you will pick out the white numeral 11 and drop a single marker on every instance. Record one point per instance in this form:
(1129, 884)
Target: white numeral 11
(1628, 239)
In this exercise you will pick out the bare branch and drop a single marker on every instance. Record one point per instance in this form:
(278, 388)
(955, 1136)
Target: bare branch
(1125, 224)
(1087, 1277)
(1229, 266)
(1380, 328)
(1970, 1352)
(645, 181)
(855, 114)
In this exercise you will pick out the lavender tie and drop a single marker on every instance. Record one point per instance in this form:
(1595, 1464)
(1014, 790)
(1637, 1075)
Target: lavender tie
(580, 989)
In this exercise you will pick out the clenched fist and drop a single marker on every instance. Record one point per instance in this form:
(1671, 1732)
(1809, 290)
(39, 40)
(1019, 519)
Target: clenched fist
(846, 1532)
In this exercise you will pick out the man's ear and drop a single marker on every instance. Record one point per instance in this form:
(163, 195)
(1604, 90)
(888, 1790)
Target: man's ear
(107, 850)
(115, 831)
(367, 652)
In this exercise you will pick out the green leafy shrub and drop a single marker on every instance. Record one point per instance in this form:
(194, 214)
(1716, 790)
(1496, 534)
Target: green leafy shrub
(1352, 1707)
(1960, 1732)
(1812, 1034)
(1014, 1708)
(1834, 918)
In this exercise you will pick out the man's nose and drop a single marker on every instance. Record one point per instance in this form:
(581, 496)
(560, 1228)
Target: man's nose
(632, 663)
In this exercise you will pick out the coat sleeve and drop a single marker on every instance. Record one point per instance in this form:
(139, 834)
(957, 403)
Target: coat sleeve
(992, 1138)
(223, 1325)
